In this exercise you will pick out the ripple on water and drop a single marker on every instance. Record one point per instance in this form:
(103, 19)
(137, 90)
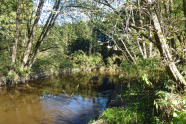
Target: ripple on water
(45, 102)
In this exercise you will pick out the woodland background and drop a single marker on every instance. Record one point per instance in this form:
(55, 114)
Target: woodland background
(137, 37)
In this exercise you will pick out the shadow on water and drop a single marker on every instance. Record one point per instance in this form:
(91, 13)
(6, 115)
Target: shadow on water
(43, 100)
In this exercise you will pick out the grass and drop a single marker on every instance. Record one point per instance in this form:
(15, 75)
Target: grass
(138, 96)
(120, 115)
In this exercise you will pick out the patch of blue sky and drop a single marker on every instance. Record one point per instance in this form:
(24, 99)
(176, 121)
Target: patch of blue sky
(67, 16)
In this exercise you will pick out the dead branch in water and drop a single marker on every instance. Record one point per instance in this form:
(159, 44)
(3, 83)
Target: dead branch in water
(72, 93)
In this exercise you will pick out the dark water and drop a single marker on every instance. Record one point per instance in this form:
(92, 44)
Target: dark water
(63, 99)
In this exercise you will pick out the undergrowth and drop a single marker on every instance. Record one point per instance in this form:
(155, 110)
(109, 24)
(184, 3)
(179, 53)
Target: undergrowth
(146, 94)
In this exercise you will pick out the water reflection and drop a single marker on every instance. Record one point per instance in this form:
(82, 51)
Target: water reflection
(43, 100)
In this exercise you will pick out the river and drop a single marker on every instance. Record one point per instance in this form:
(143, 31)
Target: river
(63, 99)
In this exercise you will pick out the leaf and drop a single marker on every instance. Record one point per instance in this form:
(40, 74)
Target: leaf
(162, 94)
(175, 120)
(162, 103)
(135, 36)
(156, 105)
(144, 78)
(170, 37)
(160, 33)
(170, 27)
(147, 42)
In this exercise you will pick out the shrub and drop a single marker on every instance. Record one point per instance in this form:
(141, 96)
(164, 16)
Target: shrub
(81, 60)
(120, 115)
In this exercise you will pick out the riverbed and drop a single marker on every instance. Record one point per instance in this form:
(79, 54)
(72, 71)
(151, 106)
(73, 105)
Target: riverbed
(63, 99)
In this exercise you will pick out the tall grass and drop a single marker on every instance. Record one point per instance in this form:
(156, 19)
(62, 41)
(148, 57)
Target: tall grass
(146, 94)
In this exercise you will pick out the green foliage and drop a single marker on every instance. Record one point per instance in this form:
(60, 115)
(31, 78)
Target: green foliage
(79, 58)
(110, 61)
(83, 61)
(121, 115)
(172, 106)
(5, 63)
(144, 78)
(114, 61)
(23, 72)
(12, 78)
(77, 36)
(96, 60)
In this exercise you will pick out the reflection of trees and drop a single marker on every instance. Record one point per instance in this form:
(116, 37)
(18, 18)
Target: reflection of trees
(55, 85)
(26, 97)
(15, 97)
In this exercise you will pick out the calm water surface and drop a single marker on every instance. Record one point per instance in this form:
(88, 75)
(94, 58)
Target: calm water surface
(56, 99)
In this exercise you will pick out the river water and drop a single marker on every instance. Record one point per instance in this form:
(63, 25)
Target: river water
(63, 99)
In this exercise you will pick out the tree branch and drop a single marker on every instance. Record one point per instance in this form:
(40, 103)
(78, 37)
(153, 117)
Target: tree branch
(48, 25)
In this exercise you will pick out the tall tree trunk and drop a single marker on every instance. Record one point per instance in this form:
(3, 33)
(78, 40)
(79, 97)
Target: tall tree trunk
(139, 46)
(184, 39)
(46, 30)
(150, 49)
(91, 27)
(32, 34)
(163, 47)
(16, 37)
(141, 23)
(130, 56)
(144, 50)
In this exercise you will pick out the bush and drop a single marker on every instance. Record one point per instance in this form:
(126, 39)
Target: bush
(5, 64)
(172, 107)
(81, 60)
(121, 116)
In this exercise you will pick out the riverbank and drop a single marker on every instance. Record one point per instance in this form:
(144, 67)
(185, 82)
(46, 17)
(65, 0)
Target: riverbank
(39, 74)
(113, 101)
(129, 102)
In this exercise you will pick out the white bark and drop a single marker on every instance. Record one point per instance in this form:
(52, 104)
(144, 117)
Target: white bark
(150, 49)
(140, 47)
(164, 51)
(131, 57)
(144, 50)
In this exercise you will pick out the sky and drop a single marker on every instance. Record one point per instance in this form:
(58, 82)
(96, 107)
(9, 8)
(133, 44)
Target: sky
(63, 17)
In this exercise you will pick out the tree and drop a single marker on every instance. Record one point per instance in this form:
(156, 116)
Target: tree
(26, 39)
(155, 29)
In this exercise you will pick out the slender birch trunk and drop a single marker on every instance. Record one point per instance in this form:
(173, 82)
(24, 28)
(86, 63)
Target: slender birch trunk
(164, 51)
(130, 56)
(144, 50)
(139, 46)
(150, 49)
